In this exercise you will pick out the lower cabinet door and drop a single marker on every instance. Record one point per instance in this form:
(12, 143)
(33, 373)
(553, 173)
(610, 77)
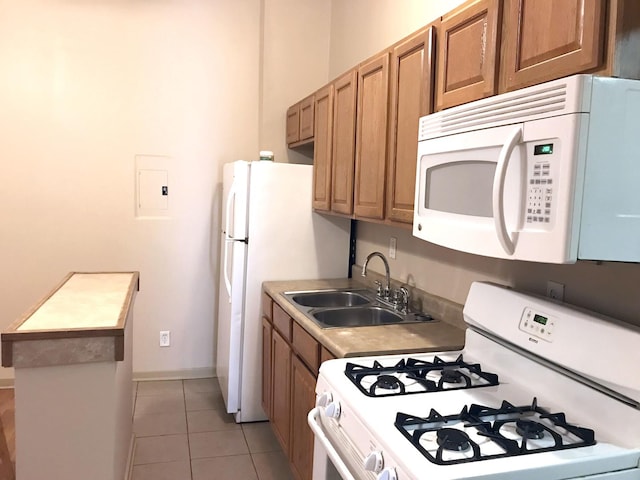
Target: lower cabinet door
(303, 398)
(266, 367)
(280, 382)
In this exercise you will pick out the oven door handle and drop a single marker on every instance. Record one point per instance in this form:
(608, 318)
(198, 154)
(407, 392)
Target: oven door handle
(498, 191)
(312, 419)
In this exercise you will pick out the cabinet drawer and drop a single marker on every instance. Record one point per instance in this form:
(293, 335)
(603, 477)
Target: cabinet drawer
(325, 355)
(306, 346)
(282, 322)
(267, 306)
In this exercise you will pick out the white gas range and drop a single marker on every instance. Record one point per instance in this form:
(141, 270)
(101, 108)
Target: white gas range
(541, 391)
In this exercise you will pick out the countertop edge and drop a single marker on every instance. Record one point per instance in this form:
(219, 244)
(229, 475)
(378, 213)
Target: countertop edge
(90, 335)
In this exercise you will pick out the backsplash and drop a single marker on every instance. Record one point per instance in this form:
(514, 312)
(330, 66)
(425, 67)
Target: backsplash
(608, 288)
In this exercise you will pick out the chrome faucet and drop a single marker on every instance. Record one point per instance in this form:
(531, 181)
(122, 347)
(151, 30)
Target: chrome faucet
(387, 289)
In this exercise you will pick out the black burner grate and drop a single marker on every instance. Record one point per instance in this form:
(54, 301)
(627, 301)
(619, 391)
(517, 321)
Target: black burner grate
(530, 422)
(454, 375)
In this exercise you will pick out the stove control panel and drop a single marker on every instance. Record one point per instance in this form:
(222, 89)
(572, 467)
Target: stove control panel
(537, 324)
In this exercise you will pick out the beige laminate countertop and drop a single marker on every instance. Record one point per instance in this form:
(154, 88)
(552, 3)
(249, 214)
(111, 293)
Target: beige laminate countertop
(444, 334)
(81, 320)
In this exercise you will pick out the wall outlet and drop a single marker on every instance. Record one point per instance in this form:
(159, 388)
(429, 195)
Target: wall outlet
(555, 290)
(393, 243)
(165, 338)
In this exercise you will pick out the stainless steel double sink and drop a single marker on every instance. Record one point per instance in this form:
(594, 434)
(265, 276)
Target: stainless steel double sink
(349, 308)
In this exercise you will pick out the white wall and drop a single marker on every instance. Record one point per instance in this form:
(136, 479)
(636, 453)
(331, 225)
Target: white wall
(360, 28)
(84, 87)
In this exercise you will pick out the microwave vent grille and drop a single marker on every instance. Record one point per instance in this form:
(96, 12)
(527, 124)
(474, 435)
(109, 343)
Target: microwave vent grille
(506, 109)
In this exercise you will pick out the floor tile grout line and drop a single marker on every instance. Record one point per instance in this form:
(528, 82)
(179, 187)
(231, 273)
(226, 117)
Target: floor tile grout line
(186, 419)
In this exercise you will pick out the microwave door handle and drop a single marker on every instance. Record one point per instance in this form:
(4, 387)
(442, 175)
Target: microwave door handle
(498, 191)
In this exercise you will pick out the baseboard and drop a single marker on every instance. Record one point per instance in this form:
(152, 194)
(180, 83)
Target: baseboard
(128, 473)
(7, 382)
(190, 373)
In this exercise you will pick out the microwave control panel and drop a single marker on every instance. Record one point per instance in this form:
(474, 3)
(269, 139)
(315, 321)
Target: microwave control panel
(540, 186)
(537, 324)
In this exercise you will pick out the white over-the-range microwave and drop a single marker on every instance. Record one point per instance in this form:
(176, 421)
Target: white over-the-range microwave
(549, 173)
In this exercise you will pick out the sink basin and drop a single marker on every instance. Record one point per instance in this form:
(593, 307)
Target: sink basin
(346, 308)
(356, 317)
(328, 299)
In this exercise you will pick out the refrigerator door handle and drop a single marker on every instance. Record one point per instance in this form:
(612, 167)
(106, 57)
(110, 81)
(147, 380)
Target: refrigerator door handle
(227, 237)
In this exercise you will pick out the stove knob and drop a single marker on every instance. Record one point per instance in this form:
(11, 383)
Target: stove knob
(373, 462)
(325, 399)
(388, 474)
(333, 409)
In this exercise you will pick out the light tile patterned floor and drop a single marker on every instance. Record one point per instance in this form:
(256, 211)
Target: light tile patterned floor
(184, 433)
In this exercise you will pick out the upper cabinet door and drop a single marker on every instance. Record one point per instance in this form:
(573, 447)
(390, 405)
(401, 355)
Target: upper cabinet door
(411, 89)
(548, 39)
(306, 118)
(343, 148)
(322, 148)
(468, 53)
(371, 137)
(293, 124)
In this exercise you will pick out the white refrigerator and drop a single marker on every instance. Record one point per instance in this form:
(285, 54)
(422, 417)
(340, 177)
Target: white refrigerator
(269, 232)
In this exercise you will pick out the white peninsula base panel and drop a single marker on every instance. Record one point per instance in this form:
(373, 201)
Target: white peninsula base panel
(74, 415)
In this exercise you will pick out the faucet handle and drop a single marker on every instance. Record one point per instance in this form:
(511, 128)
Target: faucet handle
(378, 285)
(402, 299)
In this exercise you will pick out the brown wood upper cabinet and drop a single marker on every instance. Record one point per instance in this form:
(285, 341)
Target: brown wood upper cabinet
(468, 53)
(322, 148)
(293, 124)
(371, 137)
(343, 146)
(411, 97)
(545, 39)
(300, 122)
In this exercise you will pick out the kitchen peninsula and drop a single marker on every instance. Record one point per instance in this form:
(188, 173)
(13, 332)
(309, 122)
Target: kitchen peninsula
(73, 380)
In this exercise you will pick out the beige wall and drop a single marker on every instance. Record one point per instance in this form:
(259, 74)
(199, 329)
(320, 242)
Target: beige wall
(295, 59)
(86, 86)
(360, 28)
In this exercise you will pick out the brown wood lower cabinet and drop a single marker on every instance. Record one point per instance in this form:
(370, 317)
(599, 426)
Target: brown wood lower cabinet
(289, 372)
(303, 397)
(267, 336)
(281, 388)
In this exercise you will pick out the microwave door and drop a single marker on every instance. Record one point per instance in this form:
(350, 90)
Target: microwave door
(469, 191)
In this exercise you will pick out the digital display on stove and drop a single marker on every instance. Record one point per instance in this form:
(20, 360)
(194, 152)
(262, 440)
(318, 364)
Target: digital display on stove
(545, 149)
(540, 319)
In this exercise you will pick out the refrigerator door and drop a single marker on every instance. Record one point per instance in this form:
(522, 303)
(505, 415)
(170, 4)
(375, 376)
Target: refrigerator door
(232, 283)
(287, 241)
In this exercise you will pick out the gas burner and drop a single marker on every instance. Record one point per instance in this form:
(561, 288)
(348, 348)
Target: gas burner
(387, 382)
(451, 376)
(481, 433)
(452, 439)
(418, 376)
(529, 429)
